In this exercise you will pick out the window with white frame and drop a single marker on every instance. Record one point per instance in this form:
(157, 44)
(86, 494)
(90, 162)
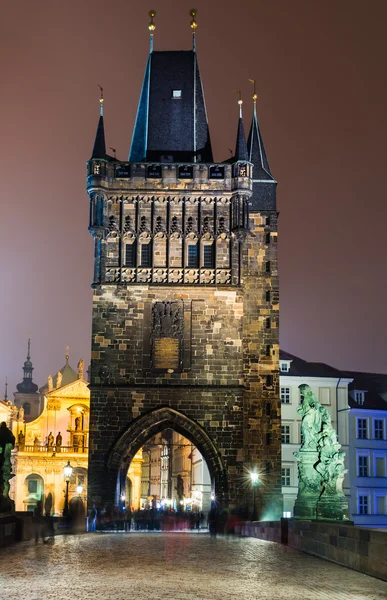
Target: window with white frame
(359, 397)
(362, 429)
(363, 505)
(285, 476)
(285, 395)
(285, 434)
(176, 94)
(285, 366)
(362, 462)
(378, 429)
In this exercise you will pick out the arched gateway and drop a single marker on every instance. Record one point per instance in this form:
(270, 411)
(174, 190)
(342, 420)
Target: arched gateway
(143, 428)
(185, 293)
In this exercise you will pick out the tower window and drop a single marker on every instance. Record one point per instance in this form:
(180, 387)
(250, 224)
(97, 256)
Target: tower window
(193, 256)
(176, 94)
(268, 296)
(268, 266)
(145, 255)
(27, 408)
(208, 256)
(268, 238)
(130, 255)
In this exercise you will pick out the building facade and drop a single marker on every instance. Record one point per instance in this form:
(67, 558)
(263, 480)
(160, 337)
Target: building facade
(185, 306)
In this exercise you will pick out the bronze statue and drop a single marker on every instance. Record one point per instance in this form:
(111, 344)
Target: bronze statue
(50, 440)
(7, 442)
(58, 442)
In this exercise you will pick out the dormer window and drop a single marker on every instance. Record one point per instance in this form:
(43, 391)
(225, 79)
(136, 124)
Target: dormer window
(176, 94)
(285, 366)
(359, 397)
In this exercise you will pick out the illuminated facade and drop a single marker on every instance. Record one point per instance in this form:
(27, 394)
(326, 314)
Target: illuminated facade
(185, 294)
(44, 445)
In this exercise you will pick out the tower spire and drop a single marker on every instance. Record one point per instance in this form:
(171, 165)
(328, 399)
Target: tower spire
(6, 390)
(256, 149)
(29, 349)
(27, 385)
(99, 149)
(240, 146)
(151, 27)
(193, 12)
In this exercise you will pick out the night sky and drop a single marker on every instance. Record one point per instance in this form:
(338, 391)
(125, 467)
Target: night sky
(320, 68)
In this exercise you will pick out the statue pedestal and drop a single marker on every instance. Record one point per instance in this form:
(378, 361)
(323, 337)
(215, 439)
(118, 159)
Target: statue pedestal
(309, 485)
(332, 508)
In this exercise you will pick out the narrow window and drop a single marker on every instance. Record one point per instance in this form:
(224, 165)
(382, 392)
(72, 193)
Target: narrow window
(285, 395)
(208, 256)
(145, 255)
(268, 350)
(285, 476)
(268, 238)
(268, 323)
(363, 505)
(363, 466)
(362, 429)
(285, 434)
(193, 256)
(359, 397)
(268, 439)
(268, 296)
(130, 255)
(378, 429)
(268, 409)
(268, 266)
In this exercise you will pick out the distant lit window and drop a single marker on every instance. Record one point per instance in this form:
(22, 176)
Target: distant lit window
(285, 395)
(285, 476)
(359, 397)
(363, 505)
(378, 429)
(287, 514)
(285, 434)
(176, 94)
(362, 429)
(363, 466)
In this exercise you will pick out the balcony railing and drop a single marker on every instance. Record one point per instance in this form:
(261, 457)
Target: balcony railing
(30, 448)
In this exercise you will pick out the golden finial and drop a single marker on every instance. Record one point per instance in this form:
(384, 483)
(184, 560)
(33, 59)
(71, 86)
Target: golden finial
(240, 102)
(193, 12)
(152, 26)
(255, 97)
(67, 353)
(101, 101)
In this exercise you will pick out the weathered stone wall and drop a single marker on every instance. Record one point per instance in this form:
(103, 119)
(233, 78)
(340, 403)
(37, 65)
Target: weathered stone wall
(361, 549)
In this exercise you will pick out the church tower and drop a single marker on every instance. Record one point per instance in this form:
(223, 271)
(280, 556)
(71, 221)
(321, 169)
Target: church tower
(27, 396)
(185, 305)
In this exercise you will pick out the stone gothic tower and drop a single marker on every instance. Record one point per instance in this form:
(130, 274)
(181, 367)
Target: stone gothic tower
(185, 307)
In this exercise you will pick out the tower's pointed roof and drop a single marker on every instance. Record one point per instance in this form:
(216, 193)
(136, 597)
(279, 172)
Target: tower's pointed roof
(241, 152)
(171, 123)
(99, 149)
(27, 386)
(257, 153)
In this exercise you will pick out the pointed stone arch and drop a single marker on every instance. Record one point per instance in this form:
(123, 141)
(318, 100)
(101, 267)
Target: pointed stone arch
(155, 422)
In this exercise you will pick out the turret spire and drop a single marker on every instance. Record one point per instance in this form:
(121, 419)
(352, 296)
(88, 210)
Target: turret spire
(256, 149)
(151, 27)
(6, 390)
(241, 146)
(27, 386)
(99, 149)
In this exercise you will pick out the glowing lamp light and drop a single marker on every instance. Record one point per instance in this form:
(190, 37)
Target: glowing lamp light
(212, 497)
(79, 489)
(68, 471)
(123, 497)
(254, 478)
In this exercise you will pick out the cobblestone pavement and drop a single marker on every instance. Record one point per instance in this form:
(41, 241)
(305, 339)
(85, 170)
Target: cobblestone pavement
(174, 566)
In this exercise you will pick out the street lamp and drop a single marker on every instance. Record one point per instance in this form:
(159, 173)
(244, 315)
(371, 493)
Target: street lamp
(79, 489)
(67, 471)
(254, 482)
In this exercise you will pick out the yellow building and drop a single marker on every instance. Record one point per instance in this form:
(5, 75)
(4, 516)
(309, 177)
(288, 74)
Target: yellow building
(58, 435)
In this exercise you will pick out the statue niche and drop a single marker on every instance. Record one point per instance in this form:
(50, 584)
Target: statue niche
(167, 336)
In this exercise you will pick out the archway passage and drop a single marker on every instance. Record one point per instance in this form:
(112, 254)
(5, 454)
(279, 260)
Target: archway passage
(156, 422)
